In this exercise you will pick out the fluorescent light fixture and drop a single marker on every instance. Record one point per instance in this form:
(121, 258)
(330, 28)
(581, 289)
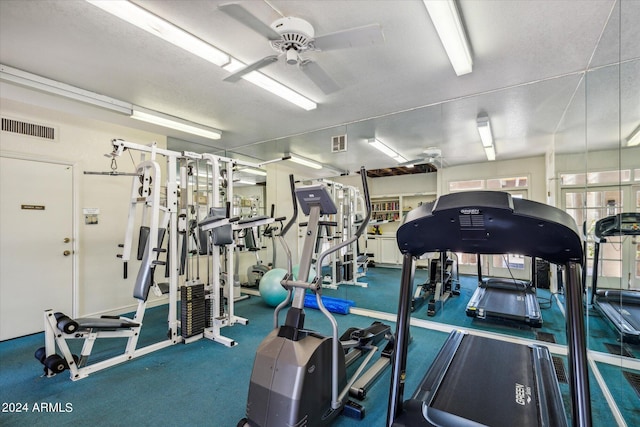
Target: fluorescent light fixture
(253, 171)
(280, 90)
(486, 136)
(271, 85)
(634, 138)
(490, 152)
(484, 129)
(303, 161)
(279, 159)
(32, 81)
(171, 122)
(446, 19)
(376, 143)
(167, 31)
(242, 181)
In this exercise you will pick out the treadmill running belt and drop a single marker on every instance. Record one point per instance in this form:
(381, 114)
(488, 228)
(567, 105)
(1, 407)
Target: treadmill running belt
(507, 303)
(490, 382)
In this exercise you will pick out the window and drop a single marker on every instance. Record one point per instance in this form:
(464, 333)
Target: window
(498, 184)
(475, 184)
(509, 261)
(603, 177)
(502, 183)
(466, 259)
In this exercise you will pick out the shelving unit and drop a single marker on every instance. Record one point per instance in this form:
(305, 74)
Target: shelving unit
(385, 209)
(388, 211)
(412, 201)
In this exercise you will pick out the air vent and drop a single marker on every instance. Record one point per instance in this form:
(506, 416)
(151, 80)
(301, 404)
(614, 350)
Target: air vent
(618, 350)
(28, 129)
(338, 143)
(634, 380)
(545, 336)
(471, 221)
(561, 372)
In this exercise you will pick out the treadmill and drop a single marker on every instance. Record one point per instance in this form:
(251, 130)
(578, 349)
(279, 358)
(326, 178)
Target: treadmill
(506, 299)
(621, 308)
(476, 380)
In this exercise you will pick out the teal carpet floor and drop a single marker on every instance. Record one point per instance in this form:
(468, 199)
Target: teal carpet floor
(205, 383)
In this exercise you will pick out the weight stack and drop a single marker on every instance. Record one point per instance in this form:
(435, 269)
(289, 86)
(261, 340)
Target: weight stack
(348, 267)
(192, 312)
(211, 313)
(208, 313)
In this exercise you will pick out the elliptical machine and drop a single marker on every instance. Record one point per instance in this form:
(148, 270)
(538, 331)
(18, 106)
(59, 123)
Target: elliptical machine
(299, 376)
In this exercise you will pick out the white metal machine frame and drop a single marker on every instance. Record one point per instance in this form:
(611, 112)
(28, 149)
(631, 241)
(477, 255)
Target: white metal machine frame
(145, 192)
(349, 203)
(157, 217)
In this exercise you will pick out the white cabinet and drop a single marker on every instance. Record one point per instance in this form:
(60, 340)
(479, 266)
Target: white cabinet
(389, 252)
(384, 249)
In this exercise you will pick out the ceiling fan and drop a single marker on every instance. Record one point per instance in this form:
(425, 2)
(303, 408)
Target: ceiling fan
(432, 155)
(292, 37)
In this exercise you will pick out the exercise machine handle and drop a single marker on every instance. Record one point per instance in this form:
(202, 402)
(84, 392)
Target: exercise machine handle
(367, 201)
(294, 216)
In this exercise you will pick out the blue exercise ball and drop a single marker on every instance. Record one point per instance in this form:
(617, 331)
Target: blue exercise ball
(271, 290)
(296, 269)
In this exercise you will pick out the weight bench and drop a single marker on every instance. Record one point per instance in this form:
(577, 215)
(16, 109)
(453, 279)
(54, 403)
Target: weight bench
(59, 328)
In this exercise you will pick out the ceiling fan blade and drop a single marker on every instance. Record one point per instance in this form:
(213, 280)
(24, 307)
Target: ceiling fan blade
(319, 77)
(234, 77)
(246, 18)
(352, 37)
(411, 162)
(434, 161)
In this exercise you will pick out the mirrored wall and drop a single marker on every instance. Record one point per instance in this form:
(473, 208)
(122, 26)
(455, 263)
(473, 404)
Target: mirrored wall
(581, 123)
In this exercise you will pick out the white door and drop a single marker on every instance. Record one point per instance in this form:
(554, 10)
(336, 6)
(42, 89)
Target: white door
(36, 252)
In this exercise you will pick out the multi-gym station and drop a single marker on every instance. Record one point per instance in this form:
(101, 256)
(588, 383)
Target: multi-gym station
(269, 213)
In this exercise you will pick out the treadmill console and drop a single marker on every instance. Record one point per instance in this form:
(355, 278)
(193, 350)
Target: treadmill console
(627, 223)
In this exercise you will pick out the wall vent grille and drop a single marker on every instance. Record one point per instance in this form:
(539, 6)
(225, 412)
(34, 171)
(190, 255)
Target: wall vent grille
(561, 372)
(29, 129)
(338, 143)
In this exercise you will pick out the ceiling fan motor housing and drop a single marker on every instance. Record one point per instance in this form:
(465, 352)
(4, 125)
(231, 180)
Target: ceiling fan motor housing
(297, 35)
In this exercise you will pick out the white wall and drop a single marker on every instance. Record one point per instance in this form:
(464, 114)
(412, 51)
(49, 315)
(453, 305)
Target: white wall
(83, 142)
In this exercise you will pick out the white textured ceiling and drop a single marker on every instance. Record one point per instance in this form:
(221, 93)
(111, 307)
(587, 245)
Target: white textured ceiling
(530, 75)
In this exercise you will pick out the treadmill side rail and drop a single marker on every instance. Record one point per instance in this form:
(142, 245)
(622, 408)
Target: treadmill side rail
(550, 407)
(613, 312)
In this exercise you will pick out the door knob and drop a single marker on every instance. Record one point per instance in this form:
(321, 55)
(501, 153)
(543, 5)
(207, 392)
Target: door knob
(66, 253)
(66, 240)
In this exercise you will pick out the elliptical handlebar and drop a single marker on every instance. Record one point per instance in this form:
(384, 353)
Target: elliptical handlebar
(294, 216)
(283, 242)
